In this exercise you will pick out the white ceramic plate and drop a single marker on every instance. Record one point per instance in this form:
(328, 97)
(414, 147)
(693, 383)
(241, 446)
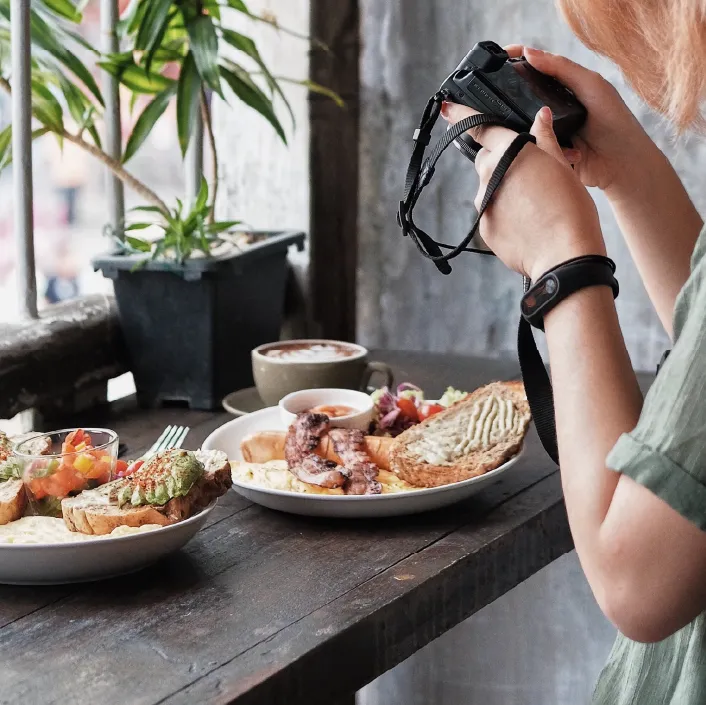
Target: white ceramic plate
(228, 437)
(56, 564)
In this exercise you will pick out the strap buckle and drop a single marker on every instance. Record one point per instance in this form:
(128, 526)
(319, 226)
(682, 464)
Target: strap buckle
(421, 137)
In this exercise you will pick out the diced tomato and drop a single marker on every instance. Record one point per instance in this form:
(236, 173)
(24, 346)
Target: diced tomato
(428, 410)
(408, 408)
(128, 469)
(76, 437)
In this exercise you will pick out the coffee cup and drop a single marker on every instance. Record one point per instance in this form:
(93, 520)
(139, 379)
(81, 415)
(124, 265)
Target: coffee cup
(289, 366)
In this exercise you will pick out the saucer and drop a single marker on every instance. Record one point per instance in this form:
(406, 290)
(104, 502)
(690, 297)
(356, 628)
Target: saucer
(242, 402)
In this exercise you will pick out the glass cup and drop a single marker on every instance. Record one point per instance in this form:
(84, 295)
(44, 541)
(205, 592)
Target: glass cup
(63, 463)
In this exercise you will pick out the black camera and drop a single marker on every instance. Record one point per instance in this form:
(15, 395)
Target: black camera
(489, 81)
(505, 92)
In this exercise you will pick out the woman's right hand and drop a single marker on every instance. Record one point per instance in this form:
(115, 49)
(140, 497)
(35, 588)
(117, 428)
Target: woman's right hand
(612, 144)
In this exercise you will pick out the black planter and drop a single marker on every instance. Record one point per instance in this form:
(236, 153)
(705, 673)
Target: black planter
(189, 329)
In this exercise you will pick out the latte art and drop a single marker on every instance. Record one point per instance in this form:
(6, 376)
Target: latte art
(314, 352)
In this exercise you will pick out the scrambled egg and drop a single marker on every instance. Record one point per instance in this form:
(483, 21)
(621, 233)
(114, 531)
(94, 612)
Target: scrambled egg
(32, 530)
(275, 475)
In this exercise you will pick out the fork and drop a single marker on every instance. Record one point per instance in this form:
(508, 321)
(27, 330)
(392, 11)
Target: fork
(171, 437)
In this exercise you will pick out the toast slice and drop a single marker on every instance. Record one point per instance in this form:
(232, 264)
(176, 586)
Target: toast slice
(13, 501)
(472, 437)
(98, 512)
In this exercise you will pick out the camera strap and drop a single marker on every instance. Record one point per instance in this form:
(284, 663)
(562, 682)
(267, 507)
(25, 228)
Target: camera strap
(535, 377)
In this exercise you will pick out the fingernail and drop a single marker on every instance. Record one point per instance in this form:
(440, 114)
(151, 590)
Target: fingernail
(545, 115)
(445, 109)
(530, 50)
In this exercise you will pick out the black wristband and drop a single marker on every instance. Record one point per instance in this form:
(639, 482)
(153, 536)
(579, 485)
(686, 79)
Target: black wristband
(562, 281)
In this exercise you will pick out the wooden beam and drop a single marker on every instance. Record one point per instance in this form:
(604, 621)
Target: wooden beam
(334, 168)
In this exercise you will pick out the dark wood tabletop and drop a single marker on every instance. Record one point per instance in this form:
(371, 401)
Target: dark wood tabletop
(267, 608)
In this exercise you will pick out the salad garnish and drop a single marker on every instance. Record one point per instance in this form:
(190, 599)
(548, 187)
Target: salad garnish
(397, 411)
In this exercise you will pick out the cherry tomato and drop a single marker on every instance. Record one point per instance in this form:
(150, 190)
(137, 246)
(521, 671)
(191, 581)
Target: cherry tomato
(428, 410)
(408, 408)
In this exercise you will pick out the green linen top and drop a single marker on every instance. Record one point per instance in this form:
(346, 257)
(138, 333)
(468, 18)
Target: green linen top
(667, 454)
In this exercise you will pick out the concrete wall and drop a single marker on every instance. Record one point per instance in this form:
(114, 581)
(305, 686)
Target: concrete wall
(546, 641)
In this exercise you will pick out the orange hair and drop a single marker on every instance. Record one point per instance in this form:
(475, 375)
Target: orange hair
(660, 45)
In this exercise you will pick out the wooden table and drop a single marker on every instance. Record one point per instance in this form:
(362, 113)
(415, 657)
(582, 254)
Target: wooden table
(265, 608)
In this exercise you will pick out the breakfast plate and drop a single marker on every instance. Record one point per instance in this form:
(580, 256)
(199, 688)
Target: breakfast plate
(94, 558)
(228, 438)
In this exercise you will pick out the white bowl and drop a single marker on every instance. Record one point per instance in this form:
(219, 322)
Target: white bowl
(297, 402)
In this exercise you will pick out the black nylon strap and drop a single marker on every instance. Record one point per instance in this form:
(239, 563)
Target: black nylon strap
(538, 388)
(418, 177)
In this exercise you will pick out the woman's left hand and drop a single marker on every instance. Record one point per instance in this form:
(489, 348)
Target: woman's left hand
(542, 214)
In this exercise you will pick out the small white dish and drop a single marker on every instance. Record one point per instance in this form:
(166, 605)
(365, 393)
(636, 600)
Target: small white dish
(94, 559)
(308, 399)
(229, 436)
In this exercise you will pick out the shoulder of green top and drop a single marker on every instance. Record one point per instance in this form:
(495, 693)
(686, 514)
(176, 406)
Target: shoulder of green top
(451, 396)
(164, 477)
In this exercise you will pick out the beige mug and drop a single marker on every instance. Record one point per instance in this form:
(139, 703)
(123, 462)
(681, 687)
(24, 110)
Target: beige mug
(289, 366)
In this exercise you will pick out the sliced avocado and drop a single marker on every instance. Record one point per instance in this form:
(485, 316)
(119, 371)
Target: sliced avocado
(168, 475)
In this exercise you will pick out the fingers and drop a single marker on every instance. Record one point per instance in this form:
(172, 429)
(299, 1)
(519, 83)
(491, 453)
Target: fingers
(571, 74)
(514, 50)
(573, 156)
(543, 130)
(491, 137)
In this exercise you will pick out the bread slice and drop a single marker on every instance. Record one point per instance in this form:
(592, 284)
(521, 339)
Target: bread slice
(470, 438)
(13, 500)
(97, 511)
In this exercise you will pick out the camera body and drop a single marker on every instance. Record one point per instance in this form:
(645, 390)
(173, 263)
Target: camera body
(489, 81)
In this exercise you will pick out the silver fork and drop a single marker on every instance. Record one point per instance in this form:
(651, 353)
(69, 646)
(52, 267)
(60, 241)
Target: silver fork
(171, 437)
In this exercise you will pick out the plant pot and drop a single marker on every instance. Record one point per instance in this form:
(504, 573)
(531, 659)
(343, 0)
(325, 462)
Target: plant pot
(189, 329)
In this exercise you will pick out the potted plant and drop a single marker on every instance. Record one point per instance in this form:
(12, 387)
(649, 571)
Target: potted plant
(194, 294)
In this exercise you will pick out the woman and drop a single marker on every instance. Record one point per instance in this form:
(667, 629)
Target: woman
(633, 472)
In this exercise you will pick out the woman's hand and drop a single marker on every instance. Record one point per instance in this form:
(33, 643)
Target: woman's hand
(541, 215)
(612, 145)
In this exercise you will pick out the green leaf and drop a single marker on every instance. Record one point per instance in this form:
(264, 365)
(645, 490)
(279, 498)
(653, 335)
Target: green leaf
(75, 100)
(5, 145)
(238, 5)
(213, 8)
(138, 226)
(242, 85)
(147, 121)
(136, 78)
(43, 36)
(204, 47)
(219, 227)
(188, 97)
(137, 244)
(94, 135)
(316, 88)
(148, 209)
(133, 17)
(65, 9)
(247, 46)
(46, 107)
(202, 197)
(153, 24)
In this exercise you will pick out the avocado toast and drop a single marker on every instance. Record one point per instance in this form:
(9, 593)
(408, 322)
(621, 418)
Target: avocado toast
(166, 489)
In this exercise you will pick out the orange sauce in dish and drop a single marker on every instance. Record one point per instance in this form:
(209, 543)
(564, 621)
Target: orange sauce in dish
(333, 411)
